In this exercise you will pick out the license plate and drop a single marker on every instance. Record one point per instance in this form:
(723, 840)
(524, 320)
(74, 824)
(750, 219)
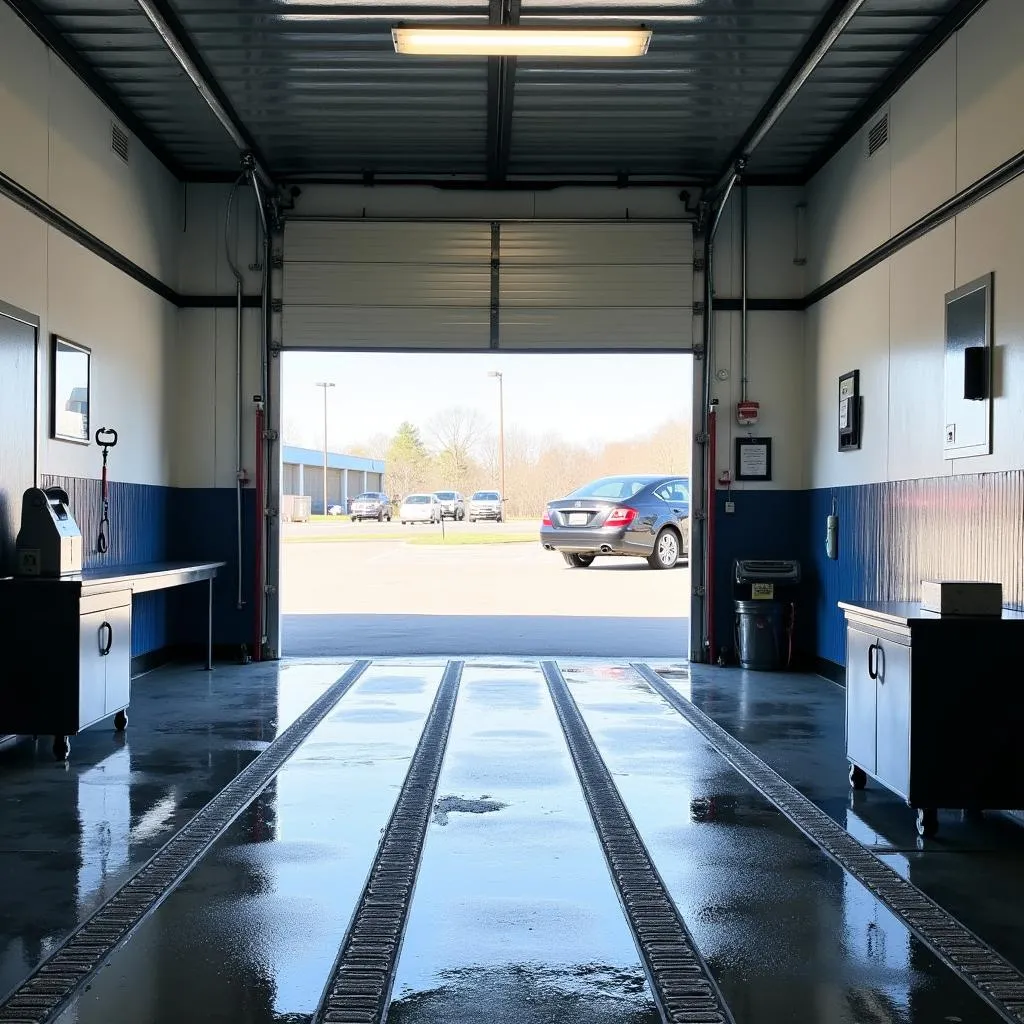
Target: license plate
(762, 591)
(578, 518)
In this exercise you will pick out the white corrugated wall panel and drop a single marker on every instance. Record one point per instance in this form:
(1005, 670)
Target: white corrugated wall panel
(386, 286)
(596, 286)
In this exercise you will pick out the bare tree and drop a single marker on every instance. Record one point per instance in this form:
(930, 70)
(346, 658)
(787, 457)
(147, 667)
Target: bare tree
(456, 434)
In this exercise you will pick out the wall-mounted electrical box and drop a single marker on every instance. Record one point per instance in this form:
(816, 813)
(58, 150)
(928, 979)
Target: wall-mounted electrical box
(968, 370)
(849, 411)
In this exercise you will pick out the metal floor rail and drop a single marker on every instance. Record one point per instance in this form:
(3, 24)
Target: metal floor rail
(684, 988)
(359, 987)
(991, 976)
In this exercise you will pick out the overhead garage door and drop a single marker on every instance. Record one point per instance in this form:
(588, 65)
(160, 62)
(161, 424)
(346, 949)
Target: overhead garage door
(473, 286)
(596, 286)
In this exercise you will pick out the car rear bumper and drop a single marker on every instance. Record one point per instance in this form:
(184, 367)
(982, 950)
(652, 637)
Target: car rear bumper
(603, 541)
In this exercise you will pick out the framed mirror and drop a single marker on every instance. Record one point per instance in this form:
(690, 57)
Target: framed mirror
(69, 391)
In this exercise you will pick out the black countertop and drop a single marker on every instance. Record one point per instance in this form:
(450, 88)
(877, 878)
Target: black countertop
(906, 613)
(137, 578)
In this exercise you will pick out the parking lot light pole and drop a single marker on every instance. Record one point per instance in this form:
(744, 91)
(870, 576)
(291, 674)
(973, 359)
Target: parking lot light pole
(325, 384)
(501, 432)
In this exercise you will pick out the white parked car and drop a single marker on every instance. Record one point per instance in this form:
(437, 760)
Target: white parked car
(420, 508)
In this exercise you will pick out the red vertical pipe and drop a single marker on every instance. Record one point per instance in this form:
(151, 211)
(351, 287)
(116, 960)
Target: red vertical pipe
(258, 595)
(709, 554)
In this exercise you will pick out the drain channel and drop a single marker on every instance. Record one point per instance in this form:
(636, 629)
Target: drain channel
(55, 981)
(994, 979)
(682, 982)
(359, 988)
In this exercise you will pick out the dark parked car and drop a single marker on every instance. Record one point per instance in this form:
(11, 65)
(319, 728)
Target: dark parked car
(638, 516)
(371, 505)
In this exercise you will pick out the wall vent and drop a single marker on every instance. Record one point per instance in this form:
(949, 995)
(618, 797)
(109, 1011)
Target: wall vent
(878, 135)
(119, 141)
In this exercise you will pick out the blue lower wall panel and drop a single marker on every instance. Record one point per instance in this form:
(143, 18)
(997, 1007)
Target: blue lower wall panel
(154, 524)
(765, 524)
(202, 527)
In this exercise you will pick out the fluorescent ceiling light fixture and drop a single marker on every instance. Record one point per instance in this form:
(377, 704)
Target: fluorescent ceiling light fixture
(520, 41)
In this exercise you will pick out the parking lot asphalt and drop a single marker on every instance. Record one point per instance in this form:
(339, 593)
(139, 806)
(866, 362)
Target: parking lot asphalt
(363, 589)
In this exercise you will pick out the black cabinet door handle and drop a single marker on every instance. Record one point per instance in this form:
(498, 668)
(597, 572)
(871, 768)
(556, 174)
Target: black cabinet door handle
(872, 670)
(106, 638)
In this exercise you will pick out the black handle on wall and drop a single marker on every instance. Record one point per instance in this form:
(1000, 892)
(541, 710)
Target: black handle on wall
(105, 647)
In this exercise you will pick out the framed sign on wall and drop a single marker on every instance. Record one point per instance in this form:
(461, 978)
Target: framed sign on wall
(69, 391)
(753, 458)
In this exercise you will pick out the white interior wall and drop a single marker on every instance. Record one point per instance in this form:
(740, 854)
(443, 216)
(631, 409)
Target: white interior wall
(56, 143)
(957, 119)
(202, 374)
(775, 340)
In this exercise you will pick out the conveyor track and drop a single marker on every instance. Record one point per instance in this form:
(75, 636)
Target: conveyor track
(992, 977)
(359, 987)
(683, 986)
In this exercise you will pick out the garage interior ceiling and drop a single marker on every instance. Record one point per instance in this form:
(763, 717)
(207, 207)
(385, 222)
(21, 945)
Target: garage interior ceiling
(321, 93)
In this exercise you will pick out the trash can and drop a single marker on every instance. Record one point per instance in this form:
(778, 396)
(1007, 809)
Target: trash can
(759, 635)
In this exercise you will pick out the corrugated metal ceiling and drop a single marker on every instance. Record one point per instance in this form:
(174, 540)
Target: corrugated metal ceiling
(321, 91)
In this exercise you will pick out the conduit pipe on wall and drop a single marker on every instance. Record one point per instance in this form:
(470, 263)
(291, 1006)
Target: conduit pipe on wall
(743, 293)
(706, 527)
(239, 472)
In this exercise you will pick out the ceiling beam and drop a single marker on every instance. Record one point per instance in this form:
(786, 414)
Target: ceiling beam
(944, 30)
(501, 83)
(813, 52)
(52, 37)
(170, 29)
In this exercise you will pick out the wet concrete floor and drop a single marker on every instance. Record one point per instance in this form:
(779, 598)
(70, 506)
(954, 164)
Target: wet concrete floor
(515, 917)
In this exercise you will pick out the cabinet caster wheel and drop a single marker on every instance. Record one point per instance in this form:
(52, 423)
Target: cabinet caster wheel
(121, 721)
(858, 777)
(61, 748)
(927, 822)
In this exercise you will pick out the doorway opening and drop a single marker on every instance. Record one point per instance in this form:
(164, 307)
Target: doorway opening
(424, 535)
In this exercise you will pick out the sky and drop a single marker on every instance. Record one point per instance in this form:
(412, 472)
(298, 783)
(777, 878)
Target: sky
(585, 399)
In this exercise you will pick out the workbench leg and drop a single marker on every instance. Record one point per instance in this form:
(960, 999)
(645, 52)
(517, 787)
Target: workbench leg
(209, 628)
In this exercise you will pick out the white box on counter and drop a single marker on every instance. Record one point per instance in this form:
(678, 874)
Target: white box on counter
(962, 597)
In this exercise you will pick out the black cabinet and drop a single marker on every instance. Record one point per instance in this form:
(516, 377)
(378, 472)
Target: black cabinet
(69, 663)
(935, 708)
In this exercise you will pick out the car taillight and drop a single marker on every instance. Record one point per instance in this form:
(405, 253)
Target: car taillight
(547, 519)
(621, 516)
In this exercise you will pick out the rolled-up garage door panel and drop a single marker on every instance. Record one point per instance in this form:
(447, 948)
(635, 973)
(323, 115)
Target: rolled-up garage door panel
(379, 286)
(598, 286)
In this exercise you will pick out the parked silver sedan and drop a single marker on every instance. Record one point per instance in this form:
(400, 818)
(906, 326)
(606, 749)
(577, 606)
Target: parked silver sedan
(632, 516)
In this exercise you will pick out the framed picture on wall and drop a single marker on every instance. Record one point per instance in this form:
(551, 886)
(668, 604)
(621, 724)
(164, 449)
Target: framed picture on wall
(754, 458)
(69, 391)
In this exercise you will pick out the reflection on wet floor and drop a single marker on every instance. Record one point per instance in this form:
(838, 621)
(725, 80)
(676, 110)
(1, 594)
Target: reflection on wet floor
(743, 876)
(515, 918)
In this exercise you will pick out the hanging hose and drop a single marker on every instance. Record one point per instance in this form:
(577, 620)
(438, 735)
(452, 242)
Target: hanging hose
(239, 474)
(792, 629)
(106, 438)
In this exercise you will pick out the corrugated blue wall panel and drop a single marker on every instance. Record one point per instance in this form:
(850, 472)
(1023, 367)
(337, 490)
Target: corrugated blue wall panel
(138, 519)
(893, 535)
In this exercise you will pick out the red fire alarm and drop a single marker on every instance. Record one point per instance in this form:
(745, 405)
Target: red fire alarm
(746, 413)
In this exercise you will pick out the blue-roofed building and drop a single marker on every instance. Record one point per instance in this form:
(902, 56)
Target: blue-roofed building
(347, 475)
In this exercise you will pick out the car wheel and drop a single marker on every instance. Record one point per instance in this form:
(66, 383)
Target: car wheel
(666, 549)
(577, 561)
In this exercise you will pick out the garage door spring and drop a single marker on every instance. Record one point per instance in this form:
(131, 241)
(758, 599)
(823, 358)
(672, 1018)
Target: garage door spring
(106, 438)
